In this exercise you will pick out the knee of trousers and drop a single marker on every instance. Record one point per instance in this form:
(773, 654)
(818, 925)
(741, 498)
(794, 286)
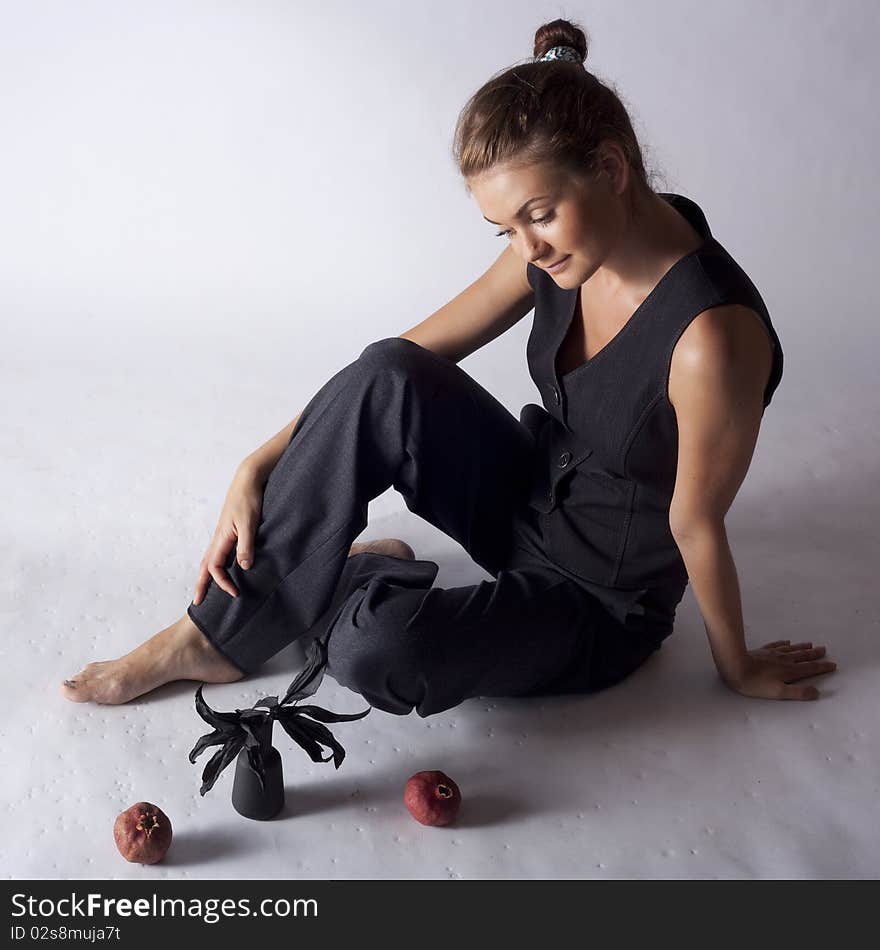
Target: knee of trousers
(396, 353)
(379, 658)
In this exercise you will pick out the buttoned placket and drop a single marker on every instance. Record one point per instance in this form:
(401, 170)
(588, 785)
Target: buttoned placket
(557, 392)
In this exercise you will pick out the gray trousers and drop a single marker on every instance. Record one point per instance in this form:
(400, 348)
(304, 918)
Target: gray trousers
(402, 416)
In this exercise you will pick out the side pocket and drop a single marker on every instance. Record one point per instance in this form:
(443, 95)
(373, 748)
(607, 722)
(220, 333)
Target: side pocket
(624, 532)
(588, 528)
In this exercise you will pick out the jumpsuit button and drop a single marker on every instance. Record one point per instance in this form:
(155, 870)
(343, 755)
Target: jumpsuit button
(564, 459)
(556, 395)
(550, 495)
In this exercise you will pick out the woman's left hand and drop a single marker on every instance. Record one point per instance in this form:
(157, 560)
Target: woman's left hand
(766, 673)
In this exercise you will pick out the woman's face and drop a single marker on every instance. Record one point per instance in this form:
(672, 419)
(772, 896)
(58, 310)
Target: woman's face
(575, 219)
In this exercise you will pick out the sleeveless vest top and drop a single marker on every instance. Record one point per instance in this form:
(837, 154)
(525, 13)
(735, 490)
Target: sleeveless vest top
(606, 432)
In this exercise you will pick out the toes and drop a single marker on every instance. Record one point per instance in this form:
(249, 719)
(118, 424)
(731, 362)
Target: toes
(74, 691)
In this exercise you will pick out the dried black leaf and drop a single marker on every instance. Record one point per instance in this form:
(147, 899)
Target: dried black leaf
(228, 731)
(289, 724)
(309, 678)
(324, 715)
(209, 739)
(221, 758)
(257, 725)
(211, 716)
(268, 701)
(323, 735)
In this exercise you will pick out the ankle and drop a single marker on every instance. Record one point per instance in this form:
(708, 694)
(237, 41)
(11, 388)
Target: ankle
(198, 649)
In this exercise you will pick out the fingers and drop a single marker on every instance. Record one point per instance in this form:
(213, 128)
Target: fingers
(809, 668)
(201, 584)
(245, 548)
(799, 692)
(221, 579)
(214, 566)
(799, 656)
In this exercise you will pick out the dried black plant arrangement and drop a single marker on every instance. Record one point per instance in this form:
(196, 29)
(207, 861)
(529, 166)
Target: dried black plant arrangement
(258, 789)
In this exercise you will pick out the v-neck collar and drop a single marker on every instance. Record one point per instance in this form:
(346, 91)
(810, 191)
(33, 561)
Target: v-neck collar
(698, 223)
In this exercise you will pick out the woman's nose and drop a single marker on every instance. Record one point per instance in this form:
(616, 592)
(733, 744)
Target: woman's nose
(535, 250)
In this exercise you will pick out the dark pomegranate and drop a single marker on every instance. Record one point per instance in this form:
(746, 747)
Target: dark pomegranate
(432, 798)
(142, 833)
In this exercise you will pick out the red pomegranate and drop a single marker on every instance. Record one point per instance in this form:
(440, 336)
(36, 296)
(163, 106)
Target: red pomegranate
(142, 833)
(432, 798)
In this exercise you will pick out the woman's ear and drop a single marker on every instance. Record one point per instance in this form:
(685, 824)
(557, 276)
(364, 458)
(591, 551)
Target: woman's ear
(612, 166)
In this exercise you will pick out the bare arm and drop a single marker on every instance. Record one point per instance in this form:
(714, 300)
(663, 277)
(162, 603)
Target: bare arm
(488, 307)
(262, 460)
(717, 381)
(492, 304)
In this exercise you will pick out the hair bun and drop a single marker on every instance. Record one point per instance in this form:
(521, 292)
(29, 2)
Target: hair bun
(560, 33)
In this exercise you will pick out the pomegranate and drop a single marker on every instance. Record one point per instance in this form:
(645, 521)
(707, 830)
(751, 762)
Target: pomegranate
(142, 833)
(432, 797)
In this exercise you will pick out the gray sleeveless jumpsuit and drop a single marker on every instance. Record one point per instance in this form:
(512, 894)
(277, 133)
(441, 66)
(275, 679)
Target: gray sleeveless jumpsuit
(566, 509)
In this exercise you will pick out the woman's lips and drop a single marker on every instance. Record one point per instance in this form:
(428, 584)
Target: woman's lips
(558, 265)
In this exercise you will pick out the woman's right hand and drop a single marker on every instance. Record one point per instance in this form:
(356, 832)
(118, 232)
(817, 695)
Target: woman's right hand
(236, 527)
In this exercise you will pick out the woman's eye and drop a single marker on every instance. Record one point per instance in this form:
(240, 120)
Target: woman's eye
(542, 221)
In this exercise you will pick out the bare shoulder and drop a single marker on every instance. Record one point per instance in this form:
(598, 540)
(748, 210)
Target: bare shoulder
(729, 343)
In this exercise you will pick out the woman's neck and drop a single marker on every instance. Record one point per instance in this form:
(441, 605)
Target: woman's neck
(655, 238)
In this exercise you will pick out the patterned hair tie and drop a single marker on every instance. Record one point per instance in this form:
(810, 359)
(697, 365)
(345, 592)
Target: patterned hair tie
(562, 52)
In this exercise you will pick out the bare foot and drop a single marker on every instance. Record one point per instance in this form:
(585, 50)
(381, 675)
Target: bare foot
(179, 652)
(391, 546)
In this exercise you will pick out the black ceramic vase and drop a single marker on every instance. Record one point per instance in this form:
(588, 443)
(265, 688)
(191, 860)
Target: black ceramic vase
(252, 797)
